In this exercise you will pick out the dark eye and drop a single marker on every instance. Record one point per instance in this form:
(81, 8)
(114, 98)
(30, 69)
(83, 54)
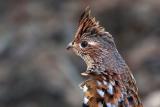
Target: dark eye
(84, 44)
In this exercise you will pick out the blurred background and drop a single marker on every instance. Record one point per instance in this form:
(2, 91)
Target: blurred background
(37, 71)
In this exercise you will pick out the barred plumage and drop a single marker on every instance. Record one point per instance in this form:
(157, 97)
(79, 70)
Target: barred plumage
(110, 82)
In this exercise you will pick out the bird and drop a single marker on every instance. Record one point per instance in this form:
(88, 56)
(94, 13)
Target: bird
(110, 82)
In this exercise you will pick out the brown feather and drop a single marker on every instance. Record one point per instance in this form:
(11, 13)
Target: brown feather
(110, 81)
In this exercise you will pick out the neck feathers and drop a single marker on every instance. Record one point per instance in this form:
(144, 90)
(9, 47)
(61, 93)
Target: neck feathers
(108, 62)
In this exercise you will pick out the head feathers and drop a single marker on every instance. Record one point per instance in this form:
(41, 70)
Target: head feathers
(87, 24)
(85, 15)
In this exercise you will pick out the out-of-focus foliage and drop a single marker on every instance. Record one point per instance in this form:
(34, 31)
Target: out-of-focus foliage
(37, 71)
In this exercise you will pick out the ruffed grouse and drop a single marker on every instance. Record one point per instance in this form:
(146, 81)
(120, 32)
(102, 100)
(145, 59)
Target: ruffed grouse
(110, 82)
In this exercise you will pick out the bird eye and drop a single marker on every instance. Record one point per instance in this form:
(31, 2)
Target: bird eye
(84, 44)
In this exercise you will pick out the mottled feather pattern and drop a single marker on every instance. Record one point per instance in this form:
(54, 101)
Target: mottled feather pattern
(107, 91)
(110, 82)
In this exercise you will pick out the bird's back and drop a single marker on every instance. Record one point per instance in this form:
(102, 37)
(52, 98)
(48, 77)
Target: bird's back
(110, 90)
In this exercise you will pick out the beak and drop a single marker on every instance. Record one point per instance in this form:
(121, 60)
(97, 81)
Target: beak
(69, 46)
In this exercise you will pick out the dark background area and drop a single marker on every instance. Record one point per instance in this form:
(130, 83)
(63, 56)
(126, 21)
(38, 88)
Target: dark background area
(37, 71)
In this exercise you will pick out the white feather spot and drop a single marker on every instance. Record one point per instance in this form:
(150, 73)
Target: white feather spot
(109, 105)
(84, 74)
(92, 43)
(100, 104)
(100, 92)
(81, 86)
(85, 88)
(105, 83)
(99, 83)
(122, 96)
(113, 83)
(85, 100)
(104, 78)
(110, 89)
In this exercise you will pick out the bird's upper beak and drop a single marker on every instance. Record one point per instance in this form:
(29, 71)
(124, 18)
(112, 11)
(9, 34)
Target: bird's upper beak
(69, 46)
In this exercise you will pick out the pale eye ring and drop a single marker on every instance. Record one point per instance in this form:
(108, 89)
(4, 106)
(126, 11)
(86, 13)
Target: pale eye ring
(83, 44)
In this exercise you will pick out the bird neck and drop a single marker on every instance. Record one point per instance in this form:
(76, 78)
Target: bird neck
(111, 61)
(115, 63)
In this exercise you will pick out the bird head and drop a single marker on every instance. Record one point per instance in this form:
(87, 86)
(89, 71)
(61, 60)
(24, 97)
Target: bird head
(91, 42)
